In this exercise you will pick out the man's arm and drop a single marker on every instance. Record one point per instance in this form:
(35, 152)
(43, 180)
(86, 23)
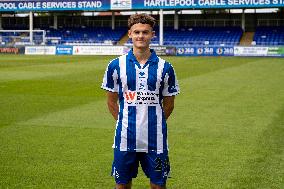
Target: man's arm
(168, 105)
(112, 98)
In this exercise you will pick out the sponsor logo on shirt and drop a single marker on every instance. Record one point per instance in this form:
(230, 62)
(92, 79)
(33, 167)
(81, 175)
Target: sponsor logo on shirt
(130, 96)
(141, 97)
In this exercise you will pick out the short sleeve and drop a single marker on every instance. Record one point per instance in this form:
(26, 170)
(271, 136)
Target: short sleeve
(171, 87)
(111, 77)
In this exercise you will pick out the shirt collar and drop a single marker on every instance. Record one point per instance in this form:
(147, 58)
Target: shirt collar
(152, 59)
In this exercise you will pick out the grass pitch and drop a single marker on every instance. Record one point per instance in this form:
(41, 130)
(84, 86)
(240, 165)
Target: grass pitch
(227, 129)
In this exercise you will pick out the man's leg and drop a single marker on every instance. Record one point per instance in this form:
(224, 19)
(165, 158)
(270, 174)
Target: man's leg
(154, 186)
(157, 168)
(124, 168)
(123, 186)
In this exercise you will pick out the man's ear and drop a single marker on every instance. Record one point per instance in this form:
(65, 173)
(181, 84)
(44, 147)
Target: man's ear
(153, 34)
(129, 34)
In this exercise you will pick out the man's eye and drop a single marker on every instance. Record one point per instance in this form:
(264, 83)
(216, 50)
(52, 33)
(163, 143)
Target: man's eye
(136, 32)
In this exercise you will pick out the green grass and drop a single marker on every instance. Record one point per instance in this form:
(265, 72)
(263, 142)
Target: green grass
(227, 129)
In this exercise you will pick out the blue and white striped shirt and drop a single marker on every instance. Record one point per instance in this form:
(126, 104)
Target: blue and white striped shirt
(141, 124)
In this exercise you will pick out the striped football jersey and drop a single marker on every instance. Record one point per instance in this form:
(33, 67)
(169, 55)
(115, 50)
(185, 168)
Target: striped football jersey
(141, 124)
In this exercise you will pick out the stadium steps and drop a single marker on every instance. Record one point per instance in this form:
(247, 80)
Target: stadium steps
(247, 38)
(123, 40)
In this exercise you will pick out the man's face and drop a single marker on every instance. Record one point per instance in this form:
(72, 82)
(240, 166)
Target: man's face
(141, 35)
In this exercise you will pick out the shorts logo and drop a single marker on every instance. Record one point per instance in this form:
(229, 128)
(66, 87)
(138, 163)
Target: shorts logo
(115, 173)
(158, 164)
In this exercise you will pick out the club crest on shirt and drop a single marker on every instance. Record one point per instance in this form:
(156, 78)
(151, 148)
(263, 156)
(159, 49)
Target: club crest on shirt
(145, 97)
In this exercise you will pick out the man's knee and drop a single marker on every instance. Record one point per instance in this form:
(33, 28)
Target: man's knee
(123, 186)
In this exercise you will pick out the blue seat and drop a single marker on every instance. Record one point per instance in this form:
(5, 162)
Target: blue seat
(269, 36)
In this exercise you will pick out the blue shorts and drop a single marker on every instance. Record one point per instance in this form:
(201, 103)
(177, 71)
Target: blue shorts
(155, 166)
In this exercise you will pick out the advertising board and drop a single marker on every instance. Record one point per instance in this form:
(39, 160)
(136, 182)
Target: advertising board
(164, 50)
(99, 50)
(64, 50)
(201, 4)
(205, 51)
(49, 5)
(40, 50)
(250, 51)
(275, 51)
(105, 5)
(9, 50)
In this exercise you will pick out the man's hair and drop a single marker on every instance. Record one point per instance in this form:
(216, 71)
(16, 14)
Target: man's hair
(142, 19)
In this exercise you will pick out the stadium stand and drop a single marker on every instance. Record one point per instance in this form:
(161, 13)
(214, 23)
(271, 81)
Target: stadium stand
(203, 36)
(269, 36)
(12, 38)
(105, 35)
(193, 30)
(200, 36)
(96, 35)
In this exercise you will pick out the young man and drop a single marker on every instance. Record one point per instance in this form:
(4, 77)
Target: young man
(145, 86)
